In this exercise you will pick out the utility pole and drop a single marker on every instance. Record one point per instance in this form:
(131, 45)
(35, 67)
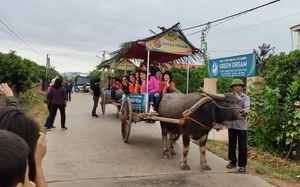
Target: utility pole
(47, 70)
(103, 58)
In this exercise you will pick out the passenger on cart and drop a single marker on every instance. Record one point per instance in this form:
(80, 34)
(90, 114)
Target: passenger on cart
(107, 84)
(127, 88)
(115, 86)
(165, 86)
(134, 84)
(153, 86)
(159, 76)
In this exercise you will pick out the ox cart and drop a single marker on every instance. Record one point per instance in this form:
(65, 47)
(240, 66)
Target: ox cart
(191, 115)
(134, 110)
(105, 97)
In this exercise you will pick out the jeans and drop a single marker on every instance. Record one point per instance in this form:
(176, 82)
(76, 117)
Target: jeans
(124, 97)
(48, 122)
(154, 100)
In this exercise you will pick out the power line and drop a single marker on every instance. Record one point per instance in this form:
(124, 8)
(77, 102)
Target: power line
(232, 16)
(18, 37)
(9, 35)
(256, 24)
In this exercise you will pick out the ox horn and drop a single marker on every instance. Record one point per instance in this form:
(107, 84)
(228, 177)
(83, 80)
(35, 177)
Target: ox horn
(238, 96)
(214, 96)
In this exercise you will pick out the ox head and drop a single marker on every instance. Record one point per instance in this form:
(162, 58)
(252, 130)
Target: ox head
(226, 106)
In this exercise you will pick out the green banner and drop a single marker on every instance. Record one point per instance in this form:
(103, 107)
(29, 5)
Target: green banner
(235, 66)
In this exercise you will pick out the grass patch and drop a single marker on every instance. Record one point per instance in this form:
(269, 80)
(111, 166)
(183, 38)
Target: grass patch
(274, 169)
(34, 106)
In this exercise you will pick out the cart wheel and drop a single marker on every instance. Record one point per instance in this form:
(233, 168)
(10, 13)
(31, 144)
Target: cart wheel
(102, 102)
(176, 137)
(126, 120)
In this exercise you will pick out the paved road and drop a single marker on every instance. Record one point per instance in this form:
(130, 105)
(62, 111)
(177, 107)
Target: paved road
(91, 153)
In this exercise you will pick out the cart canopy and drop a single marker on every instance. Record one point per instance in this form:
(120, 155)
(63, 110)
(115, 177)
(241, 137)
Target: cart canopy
(169, 45)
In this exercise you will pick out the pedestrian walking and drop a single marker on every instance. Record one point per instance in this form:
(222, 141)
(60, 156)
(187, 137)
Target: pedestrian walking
(58, 98)
(49, 105)
(69, 89)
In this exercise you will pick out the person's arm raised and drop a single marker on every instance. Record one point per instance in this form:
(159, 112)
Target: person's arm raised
(40, 152)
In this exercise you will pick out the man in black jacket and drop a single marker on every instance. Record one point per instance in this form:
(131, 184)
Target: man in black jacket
(96, 96)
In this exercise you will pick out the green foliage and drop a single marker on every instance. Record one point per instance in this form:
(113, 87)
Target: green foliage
(16, 72)
(281, 70)
(203, 47)
(262, 125)
(264, 52)
(20, 73)
(95, 74)
(32, 96)
(291, 128)
(274, 123)
(274, 126)
(180, 81)
(223, 85)
(196, 78)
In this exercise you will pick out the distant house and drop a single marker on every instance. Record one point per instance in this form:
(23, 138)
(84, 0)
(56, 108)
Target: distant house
(296, 28)
(185, 66)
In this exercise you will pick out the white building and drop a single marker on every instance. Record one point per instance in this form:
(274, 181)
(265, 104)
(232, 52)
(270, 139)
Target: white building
(296, 28)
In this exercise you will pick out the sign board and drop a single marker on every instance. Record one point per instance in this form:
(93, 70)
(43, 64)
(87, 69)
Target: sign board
(235, 66)
(107, 94)
(169, 43)
(138, 101)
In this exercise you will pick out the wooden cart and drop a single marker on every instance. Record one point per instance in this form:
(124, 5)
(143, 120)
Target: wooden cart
(134, 111)
(105, 98)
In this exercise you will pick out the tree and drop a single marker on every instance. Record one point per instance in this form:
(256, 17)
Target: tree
(276, 124)
(281, 70)
(20, 73)
(264, 52)
(16, 72)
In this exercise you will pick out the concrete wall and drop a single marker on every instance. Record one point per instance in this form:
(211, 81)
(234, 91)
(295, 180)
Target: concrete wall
(210, 85)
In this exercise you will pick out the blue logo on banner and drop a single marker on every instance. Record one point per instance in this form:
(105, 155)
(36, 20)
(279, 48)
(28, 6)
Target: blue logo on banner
(235, 66)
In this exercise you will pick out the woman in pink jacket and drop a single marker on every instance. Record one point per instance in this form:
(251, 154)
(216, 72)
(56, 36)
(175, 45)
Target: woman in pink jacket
(153, 86)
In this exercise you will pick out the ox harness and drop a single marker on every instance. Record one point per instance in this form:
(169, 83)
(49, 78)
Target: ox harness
(186, 114)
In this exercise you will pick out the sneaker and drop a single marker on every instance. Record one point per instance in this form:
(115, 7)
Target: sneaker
(64, 128)
(48, 129)
(151, 109)
(230, 166)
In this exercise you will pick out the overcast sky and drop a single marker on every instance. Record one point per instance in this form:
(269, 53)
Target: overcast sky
(74, 32)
